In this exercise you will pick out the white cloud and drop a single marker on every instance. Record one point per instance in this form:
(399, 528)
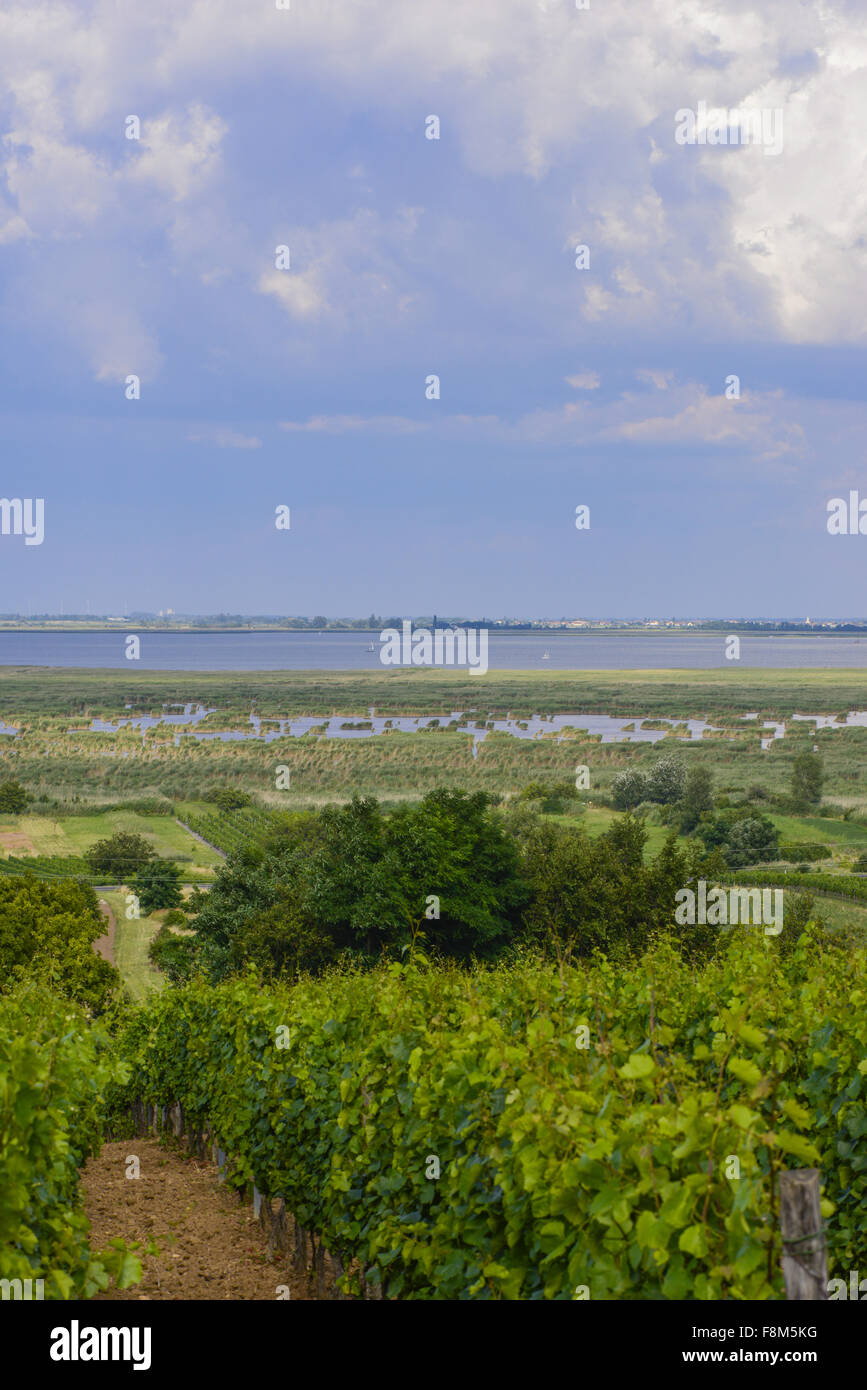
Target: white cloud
(656, 376)
(298, 294)
(179, 154)
(718, 240)
(584, 381)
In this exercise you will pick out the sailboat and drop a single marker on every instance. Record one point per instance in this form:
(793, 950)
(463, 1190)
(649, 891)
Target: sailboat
(371, 648)
(546, 656)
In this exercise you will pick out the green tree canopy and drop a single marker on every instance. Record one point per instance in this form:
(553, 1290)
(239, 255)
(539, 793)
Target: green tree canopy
(119, 857)
(13, 797)
(807, 778)
(157, 884)
(47, 930)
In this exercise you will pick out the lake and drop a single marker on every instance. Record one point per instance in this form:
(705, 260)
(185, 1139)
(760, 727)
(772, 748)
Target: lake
(348, 651)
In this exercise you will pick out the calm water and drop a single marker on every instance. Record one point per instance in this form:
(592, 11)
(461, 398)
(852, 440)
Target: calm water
(348, 651)
(611, 729)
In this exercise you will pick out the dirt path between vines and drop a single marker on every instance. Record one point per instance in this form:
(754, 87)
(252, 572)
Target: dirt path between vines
(104, 945)
(211, 1246)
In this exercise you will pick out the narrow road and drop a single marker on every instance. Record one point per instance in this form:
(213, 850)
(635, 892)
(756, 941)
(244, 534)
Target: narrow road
(210, 1245)
(104, 945)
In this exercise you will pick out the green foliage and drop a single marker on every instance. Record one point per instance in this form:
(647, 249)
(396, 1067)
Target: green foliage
(48, 929)
(666, 781)
(629, 789)
(232, 830)
(172, 954)
(552, 798)
(355, 880)
(157, 885)
(697, 798)
(559, 1165)
(13, 798)
(807, 778)
(54, 1066)
(117, 858)
(741, 834)
(228, 798)
(841, 885)
(804, 849)
(589, 893)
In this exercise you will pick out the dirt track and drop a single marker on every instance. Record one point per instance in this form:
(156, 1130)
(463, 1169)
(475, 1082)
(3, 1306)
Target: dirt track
(211, 1246)
(104, 945)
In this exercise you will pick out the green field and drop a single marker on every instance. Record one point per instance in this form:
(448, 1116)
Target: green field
(72, 835)
(131, 941)
(45, 691)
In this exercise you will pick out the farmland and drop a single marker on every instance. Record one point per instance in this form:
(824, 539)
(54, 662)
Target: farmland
(553, 913)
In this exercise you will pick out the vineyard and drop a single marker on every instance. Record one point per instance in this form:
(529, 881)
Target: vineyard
(532, 1133)
(231, 830)
(55, 1066)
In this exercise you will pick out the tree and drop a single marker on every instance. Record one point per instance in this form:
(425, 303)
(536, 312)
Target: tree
(157, 884)
(807, 778)
(629, 788)
(13, 797)
(589, 893)
(665, 780)
(117, 858)
(697, 797)
(48, 930)
(352, 880)
(752, 840)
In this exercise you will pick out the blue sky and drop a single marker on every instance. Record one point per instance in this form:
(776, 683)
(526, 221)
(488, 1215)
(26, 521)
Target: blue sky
(306, 387)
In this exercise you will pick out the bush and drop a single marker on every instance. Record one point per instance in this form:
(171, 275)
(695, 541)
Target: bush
(13, 798)
(666, 781)
(228, 798)
(629, 788)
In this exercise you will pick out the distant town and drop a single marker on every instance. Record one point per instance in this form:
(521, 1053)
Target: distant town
(168, 620)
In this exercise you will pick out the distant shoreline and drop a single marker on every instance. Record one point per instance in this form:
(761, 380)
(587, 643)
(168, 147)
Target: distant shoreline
(180, 630)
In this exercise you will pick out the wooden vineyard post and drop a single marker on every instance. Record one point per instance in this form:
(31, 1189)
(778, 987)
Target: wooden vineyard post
(805, 1268)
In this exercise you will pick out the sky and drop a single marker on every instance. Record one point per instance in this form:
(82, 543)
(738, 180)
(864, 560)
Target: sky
(606, 385)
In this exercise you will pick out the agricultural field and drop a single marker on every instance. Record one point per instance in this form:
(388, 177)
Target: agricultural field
(72, 835)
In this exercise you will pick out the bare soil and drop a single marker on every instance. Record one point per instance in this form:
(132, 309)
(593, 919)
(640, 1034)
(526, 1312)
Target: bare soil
(13, 841)
(104, 945)
(211, 1246)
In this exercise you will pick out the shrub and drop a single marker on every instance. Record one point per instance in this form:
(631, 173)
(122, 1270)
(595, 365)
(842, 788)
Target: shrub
(13, 798)
(629, 788)
(666, 780)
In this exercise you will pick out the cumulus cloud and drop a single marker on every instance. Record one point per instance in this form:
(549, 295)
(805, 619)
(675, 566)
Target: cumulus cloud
(577, 107)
